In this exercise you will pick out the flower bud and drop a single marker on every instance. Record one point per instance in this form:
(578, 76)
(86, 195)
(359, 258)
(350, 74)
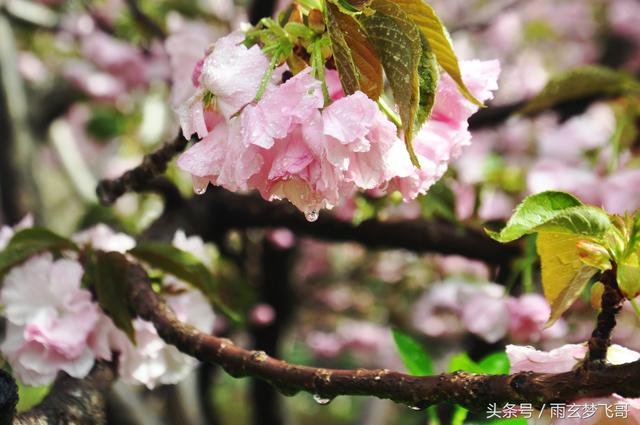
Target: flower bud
(597, 290)
(316, 21)
(593, 254)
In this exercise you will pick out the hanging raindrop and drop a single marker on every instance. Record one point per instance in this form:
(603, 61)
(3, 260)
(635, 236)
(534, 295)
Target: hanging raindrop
(322, 400)
(311, 215)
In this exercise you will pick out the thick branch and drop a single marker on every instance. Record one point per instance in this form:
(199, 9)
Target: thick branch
(611, 305)
(80, 401)
(470, 390)
(138, 178)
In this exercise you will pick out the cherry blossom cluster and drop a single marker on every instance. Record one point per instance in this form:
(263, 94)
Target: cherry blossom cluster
(278, 135)
(54, 324)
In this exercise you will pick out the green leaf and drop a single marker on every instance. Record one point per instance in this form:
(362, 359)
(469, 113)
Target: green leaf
(495, 364)
(564, 275)
(415, 358)
(28, 242)
(427, 20)
(107, 271)
(396, 40)
(350, 7)
(358, 66)
(428, 75)
(583, 220)
(534, 211)
(185, 266)
(462, 361)
(459, 415)
(580, 83)
(629, 276)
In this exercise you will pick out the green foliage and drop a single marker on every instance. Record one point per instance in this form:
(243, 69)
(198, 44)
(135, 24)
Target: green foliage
(580, 83)
(434, 31)
(428, 75)
(28, 242)
(185, 266)
(571, 239)
(414, 357)
(106, 272)
(534, 211)
(396, 40)
(358, 66)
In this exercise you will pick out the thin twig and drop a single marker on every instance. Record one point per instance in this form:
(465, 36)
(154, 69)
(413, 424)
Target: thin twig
(145, 20)
(139, 178)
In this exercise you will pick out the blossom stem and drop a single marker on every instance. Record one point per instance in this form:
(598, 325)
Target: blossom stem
(384, 107)
(268, 73)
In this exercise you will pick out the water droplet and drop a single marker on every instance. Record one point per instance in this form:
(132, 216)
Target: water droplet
(199, 184)
(417, 408)
(311, 216)
(322, 400)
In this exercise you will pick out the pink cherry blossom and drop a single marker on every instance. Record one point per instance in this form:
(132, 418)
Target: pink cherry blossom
(442, 138)
(7, 232)
(101, 237)
(222, 68)
(527, 317)
(187, 48)
(564, 359)
(49, 320)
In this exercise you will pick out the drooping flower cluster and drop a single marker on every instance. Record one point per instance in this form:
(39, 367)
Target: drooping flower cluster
(54, 324)
(289, 144)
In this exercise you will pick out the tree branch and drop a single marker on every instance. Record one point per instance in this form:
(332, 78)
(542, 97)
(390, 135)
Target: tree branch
(611, 305)
(80, 401)
(470, 390)
(138, 178)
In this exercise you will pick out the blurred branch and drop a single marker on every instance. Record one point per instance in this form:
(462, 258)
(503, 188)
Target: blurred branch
(80, 401)
(470, 390)
(217, 211)
(8, 398)
(18, 190)
(261, 9)
(145, 20)
(275, 290)
(139, 178)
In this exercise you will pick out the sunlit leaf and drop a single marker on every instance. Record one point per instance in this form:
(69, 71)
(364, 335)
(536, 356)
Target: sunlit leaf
(415, 358)
(580, 83)
(185, 266)
(435, 32)
(534, 211)
(396, 40)
(629, 276)
(28, 242)
(564, 275)
(358, 66)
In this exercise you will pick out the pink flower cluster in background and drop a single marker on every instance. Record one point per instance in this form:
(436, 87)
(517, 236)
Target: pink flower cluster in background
(289, 145)
(454, 306)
